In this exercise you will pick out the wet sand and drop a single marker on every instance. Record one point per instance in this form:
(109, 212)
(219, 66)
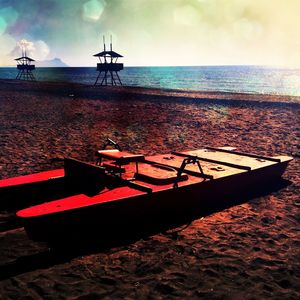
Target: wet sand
(246, 251)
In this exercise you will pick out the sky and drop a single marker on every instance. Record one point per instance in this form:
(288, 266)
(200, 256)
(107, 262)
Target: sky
(153, 32)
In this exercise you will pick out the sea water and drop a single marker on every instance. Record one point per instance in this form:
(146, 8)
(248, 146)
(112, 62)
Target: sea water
(241, 79)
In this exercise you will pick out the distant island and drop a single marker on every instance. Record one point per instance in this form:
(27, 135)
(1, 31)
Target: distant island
(55, 62)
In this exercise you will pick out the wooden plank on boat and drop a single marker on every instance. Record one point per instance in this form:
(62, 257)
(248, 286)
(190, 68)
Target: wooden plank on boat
(139, 187)
(198, 174)
(158, 174)
(224, 163)
(132, 184)
(189, 172)
(120, 157)
(244, 154)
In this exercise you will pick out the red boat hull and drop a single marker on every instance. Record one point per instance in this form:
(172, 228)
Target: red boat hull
(144, 209)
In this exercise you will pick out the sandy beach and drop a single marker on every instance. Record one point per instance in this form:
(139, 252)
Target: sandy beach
(246, 251)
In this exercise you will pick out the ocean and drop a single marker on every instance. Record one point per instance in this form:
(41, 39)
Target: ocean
(242, 79)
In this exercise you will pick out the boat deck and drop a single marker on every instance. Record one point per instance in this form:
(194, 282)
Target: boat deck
(157, 173)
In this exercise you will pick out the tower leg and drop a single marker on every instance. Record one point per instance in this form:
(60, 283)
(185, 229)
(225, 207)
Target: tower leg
(20, 75)
(113, 81)
(104, 79)
(97, 78)
(31, 76)
(119, 78)
(25, 75)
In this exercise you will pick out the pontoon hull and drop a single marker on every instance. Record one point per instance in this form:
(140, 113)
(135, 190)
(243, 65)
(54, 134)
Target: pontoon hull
(147, 209)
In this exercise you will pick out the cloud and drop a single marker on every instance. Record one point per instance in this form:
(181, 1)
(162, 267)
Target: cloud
(41, 50)
(26, 45)
(37, 50)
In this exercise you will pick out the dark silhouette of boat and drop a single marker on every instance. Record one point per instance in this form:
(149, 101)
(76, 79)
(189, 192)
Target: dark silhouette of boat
(125, 190)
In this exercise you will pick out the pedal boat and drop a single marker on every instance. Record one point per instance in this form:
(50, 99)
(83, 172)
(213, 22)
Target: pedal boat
(125, 190)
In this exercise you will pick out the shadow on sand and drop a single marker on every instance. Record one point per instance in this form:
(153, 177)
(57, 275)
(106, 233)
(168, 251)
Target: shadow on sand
(64, 251)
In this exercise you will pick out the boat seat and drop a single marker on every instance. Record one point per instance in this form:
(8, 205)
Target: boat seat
(120, 157)
(113, 167)
(158, 175)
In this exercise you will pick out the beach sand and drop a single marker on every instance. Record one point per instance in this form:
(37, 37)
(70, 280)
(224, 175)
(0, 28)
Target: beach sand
(246, 251)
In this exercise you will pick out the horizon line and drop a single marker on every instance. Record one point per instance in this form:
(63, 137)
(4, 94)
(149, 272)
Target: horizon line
(168, 66)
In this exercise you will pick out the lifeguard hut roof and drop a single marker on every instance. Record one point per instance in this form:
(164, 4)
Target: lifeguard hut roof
(108, 53)
(25, 57)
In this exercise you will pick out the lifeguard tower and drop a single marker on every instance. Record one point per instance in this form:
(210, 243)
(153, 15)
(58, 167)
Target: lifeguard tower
(108, 67)
(24, 66)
